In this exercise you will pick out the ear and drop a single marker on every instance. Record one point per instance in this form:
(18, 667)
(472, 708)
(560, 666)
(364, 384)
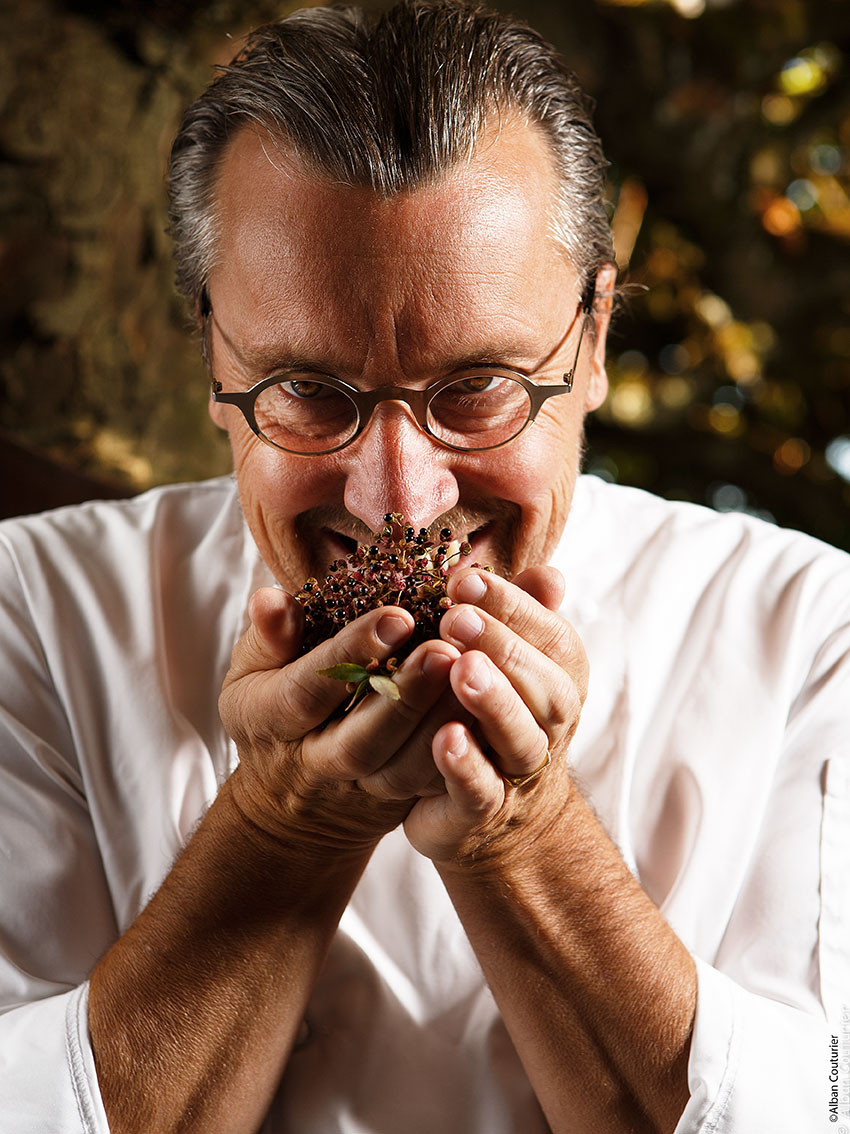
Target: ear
(217, 413)
(597, 384)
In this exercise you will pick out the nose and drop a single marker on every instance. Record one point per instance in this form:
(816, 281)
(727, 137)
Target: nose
(394, 466)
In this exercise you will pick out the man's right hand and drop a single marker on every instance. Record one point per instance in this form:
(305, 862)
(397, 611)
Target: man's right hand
(194, 1011)
(298, 774)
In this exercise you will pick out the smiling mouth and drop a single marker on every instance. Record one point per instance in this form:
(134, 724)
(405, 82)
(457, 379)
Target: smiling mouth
(340, 545)
(343, 545)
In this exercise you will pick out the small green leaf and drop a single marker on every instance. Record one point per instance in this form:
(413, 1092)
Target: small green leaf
(385, 686)
(359, 693)
(344, 671)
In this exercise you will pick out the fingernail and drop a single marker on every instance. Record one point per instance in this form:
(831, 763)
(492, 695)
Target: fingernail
(472, 588)
(436, 665)
(392, 630)
(458, 745)
(479, 678)
(466, 625)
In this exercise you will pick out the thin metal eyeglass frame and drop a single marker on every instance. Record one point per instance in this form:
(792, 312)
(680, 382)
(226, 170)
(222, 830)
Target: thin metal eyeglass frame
(365, 401)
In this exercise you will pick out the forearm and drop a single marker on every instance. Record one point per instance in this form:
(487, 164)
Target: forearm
(194, 1011)
(596, 990)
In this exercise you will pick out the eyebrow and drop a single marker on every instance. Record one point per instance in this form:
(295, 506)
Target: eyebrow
(268, 360)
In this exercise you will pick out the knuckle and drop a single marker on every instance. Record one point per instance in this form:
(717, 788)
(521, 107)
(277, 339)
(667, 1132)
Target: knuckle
(551, 634)
(394, 782)
(231, 715)
(560, 642)
(511, 652)
(510, 711)
(565, 705)
(234, 707)
(406, 709)
(564, 647)
(351, 758)
(301, 695)
(515, 608)
(579, 668)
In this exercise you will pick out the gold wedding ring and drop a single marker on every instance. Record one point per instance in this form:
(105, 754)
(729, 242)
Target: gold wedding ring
(518, 781)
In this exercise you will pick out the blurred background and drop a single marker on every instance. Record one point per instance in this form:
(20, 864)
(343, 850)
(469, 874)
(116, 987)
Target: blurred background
(727, 126)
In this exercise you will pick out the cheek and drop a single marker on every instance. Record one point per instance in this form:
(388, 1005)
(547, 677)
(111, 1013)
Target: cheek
(274, 489)
(540, 478)
(537, 470)
(278, 484)
(546, 457)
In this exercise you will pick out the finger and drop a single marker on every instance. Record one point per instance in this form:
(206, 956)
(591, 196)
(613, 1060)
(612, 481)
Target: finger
(385, 745)
(530, 620)
(270, 693)
(551, 688)
(312, 696)
(537, 708)
(544, 584)
(272, 639)
(473, 786)
(441, 827)
(518, 743)
(274, 634)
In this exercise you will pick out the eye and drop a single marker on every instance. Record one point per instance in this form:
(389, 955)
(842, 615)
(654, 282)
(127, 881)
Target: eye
(304, 388)
(478, 382)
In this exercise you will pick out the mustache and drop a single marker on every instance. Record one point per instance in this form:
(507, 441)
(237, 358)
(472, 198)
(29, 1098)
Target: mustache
(463, 519)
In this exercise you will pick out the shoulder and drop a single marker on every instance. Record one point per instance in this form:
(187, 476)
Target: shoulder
(120, 617)
(193, 505)
(675, 572)
(123, 537)
(115, 570)
(616, 531)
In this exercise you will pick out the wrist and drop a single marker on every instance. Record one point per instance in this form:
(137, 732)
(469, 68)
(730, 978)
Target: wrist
(316, 824)
(533, 820)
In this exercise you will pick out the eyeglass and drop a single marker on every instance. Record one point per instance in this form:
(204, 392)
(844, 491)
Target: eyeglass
(314, 414)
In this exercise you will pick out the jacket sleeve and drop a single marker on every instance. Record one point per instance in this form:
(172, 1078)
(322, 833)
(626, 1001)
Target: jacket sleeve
(771, 1045)
(47, 1074)
(56, 915)
(757, 1064)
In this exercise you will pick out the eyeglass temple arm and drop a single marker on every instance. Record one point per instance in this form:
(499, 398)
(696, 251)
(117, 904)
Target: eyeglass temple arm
(587, 298)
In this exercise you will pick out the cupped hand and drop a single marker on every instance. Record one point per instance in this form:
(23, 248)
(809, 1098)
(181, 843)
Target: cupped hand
(302, 774)
(521, 678)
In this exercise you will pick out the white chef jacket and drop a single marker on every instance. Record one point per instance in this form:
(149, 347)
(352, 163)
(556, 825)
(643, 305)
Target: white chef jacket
(714, 747)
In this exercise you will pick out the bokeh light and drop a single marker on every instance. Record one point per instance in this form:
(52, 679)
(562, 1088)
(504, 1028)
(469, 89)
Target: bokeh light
(727, 126)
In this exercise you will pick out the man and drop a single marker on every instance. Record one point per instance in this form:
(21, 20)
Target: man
(481, 907)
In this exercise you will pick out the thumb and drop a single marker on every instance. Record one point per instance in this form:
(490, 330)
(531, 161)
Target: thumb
(545, 584)
(273, 638)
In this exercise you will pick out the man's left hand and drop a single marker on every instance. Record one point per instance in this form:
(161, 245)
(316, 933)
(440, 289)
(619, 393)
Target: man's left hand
(522, 679)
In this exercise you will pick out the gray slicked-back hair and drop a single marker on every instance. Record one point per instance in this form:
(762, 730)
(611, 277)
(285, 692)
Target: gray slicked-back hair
(389, 101)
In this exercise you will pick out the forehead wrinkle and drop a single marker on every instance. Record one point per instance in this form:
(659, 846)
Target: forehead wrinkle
(421, 335)
(420, 314)
(466, 183)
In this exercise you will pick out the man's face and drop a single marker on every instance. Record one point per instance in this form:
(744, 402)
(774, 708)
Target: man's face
(400, 292)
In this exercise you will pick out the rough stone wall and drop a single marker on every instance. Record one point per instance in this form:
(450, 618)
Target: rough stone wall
(98, 363)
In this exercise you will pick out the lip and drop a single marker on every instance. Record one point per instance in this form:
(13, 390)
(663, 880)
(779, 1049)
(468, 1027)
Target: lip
(478, 540)
(340, 545)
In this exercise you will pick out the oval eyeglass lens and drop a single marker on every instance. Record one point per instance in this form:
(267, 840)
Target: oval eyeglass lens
(479, 411)
(305, 415)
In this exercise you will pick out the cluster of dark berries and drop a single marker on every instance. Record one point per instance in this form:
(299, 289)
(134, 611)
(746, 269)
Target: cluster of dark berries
(401, 567)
